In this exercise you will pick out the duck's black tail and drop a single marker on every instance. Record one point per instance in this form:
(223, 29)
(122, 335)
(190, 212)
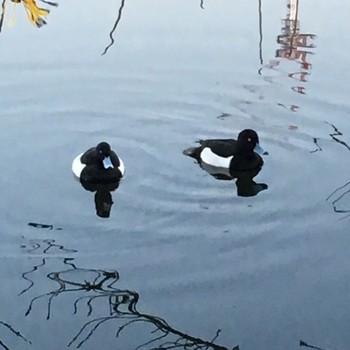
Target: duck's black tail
(193, 152)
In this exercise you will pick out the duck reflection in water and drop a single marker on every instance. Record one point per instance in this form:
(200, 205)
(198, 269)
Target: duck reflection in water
(227, 159)
(99, 170)
(103, 196)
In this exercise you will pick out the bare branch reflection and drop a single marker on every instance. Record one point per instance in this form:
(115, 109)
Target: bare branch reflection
(115, 27)
(94, 288)
(49, 3)
(302, 343)
(319, 148)
(2, 14)
(30, 281)
(337, 133)
(13, 331)
(44, 246)
(342, 191)
(260, 34)
(339, 193)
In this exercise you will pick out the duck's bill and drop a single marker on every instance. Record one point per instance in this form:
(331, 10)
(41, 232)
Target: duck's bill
(107, 163)
(258, 149)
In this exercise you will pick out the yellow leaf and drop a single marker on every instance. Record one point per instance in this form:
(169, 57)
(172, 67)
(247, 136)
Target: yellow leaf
(34, 12)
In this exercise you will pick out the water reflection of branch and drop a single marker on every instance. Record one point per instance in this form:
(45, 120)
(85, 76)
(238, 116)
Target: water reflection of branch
(337, 199)
(15, 332)
(260, 36)
(99, 284)
(36, 225)
(44, 245)
(302, 343)
(202, 4)
(50, 3)
(40, 246)
(182, 340)
(31, 282)
(2, 14)
(128, 299)
(345, 189)
(319, 148)
(115, 27)
(337, 133)
(333, 135)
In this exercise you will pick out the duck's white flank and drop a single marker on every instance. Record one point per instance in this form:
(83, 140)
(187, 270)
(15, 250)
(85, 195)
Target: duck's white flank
(211, 158)
(121, 166)
(78, 166)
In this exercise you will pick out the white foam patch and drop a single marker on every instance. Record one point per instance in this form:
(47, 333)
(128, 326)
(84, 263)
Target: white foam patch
(77, 166)
(213, 159)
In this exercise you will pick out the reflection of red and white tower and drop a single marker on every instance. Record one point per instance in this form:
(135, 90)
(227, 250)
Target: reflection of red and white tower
(295, 45)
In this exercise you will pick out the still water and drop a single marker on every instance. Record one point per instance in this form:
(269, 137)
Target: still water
(183, 261)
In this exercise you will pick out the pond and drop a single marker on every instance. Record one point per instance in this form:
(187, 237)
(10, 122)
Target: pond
(184, 260)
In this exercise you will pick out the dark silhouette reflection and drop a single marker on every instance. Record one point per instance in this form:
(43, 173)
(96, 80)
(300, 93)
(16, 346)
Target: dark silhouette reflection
(302, 343)
(13, 331)
(340, 193)
(318, 147)
(337, 195)
(91, 287)
(103, 196)
(334, 135)
(2, 15)
(260, 34)
(35, 13)
(37, 225)
(41, 246)
(246, 186)
(115, 26)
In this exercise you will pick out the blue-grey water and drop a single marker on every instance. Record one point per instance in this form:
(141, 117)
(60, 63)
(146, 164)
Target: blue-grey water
(181, 256)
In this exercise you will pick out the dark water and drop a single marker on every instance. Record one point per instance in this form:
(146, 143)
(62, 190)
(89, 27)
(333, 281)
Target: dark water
(181, 256)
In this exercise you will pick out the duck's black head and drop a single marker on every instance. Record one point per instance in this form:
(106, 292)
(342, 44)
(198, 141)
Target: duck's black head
(247, 140)
(103, 150)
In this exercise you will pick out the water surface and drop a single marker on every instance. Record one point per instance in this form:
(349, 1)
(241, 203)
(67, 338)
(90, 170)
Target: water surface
(181, 253)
